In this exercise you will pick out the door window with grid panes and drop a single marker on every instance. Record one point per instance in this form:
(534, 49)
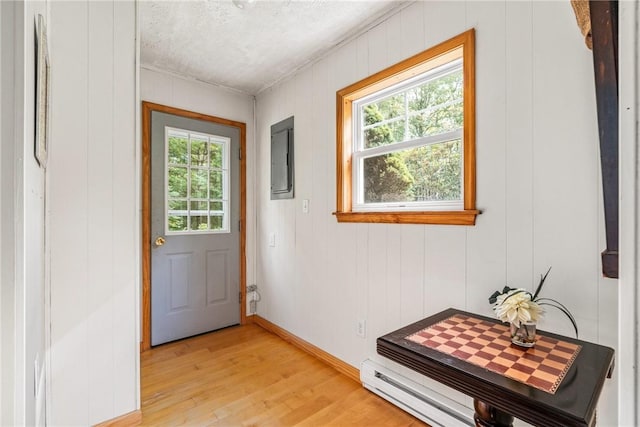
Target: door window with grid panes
(197, 182)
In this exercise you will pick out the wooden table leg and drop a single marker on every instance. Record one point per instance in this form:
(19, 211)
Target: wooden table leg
(489, 416)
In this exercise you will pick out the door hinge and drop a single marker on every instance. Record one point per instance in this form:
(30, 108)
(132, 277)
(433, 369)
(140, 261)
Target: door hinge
(239, 225)
(240, 297)
(240, 153)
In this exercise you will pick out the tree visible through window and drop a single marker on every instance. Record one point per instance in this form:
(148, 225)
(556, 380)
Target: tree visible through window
(406, 140)
(197, 182)
(431, 171)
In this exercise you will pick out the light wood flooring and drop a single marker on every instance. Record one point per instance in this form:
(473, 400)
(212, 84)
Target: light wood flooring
(246, 376)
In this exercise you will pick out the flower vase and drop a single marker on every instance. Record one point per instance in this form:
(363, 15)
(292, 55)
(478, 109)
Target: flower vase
(523, 335)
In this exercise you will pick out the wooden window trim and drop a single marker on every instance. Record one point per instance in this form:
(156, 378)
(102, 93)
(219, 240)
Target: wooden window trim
(417, 64)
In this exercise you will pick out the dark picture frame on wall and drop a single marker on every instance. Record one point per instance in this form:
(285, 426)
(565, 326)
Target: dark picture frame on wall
(43, 72)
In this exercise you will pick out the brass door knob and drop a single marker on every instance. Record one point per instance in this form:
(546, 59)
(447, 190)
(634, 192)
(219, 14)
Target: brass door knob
(159, 241)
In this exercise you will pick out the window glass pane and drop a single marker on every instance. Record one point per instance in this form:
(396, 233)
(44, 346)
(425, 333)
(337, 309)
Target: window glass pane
(436, 106)
(426, 173)
(384, 134)
(177, 205)
(442, 90)
(199, 179)
(199, 207)
(216, 222)
(386, 179)
(443, 119)
(177, 222)
(385, 109)
(437, 171)
(199, 156)
(177, 182)
(216, 155)
(198, 222)
(216, 215)
(177, 149)
(215, 185)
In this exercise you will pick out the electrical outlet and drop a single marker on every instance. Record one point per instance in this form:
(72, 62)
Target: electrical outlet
(362, 328)
(272, 239)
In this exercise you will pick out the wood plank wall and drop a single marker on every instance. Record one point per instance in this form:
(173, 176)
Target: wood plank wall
(93, 202)
(22, 200)
(538, 187)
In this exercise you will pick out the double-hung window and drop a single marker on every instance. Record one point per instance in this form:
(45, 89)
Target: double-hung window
(405, 140)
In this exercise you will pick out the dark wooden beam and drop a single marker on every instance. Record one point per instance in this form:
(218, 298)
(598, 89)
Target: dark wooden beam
(604, 31)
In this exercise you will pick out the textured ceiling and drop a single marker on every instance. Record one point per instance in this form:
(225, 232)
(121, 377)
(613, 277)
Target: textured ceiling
(252, 48)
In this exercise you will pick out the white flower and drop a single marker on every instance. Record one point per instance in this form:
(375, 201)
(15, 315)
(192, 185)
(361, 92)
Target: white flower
(516, 306)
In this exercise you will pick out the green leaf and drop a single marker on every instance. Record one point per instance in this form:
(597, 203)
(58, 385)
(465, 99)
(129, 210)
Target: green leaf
(494, 297)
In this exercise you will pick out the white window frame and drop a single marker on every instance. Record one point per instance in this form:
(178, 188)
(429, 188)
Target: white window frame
(226, 161)
(360, 153)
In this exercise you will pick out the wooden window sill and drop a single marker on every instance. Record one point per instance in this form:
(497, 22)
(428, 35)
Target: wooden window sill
(465, 217)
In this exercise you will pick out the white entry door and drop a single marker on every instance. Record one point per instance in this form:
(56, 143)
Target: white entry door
(195, 237)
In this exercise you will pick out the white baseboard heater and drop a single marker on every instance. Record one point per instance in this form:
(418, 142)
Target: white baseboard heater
(418, 400)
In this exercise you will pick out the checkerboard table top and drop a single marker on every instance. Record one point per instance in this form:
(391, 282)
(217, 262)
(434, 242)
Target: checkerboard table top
(488, 345)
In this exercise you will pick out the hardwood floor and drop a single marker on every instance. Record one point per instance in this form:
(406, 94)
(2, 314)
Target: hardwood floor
(246, 376)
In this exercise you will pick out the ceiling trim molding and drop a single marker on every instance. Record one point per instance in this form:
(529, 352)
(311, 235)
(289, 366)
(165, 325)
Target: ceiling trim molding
(193, 79)
(351, 36)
